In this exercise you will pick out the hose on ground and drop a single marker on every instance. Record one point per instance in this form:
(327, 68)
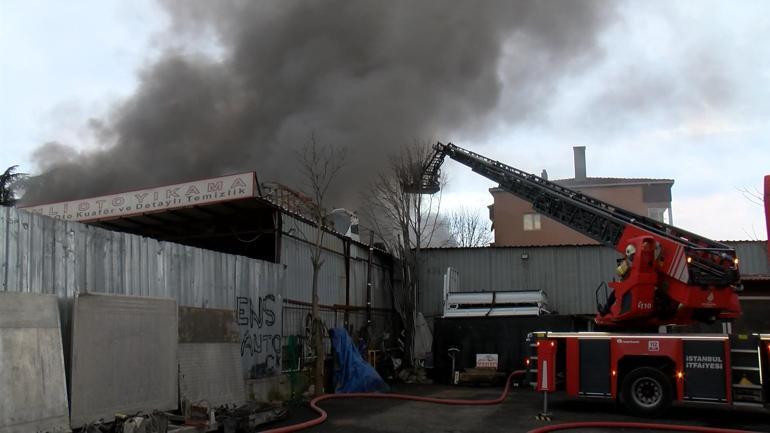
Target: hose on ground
(323, 415)
(460, 402)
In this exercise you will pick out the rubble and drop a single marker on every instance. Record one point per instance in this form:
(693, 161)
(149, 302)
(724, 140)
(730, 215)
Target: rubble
(249, 416)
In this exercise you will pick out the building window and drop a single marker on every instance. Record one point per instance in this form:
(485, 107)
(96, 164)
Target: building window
(657, 213)
(531, 221)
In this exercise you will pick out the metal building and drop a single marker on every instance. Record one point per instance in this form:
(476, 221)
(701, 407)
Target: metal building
(569, 274)
(39, 254)
(235, 214)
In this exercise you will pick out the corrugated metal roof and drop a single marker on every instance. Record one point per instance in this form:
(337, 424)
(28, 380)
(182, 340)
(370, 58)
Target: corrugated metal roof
(294, 216)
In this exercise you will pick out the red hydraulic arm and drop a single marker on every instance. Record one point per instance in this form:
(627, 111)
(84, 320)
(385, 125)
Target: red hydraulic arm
(668, 275)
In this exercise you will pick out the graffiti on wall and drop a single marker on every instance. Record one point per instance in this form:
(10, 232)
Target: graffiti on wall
(259, 321)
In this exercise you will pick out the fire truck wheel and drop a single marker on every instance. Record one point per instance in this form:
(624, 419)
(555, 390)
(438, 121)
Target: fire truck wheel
(646, 392)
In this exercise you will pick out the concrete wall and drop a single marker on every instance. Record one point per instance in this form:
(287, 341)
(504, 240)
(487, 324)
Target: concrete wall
(33, 391)
(210, 364)
(124, 356)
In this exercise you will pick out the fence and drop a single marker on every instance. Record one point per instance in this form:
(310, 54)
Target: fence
(44, 255)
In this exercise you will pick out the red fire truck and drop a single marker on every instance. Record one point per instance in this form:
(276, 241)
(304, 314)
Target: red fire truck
(646, 372)
(667, 276)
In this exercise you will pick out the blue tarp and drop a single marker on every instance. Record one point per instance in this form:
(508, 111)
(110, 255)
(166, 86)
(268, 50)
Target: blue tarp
(352, 373)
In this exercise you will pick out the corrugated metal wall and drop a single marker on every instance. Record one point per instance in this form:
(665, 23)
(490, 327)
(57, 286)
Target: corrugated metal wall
(296, 248)
(45, 255)
(753, 256)
(568, 274)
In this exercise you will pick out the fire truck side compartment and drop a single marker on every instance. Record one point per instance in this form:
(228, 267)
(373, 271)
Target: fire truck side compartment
(595, 367)
(704, 370)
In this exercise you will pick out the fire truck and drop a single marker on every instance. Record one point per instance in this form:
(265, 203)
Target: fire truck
(666, 276)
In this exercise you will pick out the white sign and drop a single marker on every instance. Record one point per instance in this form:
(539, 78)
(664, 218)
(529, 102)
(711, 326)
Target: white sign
(149, 200)
(486, 360)
(703, 362)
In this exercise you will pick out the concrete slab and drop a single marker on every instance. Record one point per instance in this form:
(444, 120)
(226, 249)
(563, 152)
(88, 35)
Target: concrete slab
(124, 356)
(33, 390)
(211, 372)
(210, 357)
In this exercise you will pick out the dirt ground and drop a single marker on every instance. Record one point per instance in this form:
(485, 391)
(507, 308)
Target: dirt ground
(516, 414)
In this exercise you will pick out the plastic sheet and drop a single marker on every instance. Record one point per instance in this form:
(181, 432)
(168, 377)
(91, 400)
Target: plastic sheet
(352, 373)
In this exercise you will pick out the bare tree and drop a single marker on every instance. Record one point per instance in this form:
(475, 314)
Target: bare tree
(753, 195)
(405, 222)
(320, 166)
(469, 228)
(756, 197)
(9, 182)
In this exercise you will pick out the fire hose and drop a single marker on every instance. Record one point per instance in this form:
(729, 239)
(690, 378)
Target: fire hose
(323, 415)
(460, 402)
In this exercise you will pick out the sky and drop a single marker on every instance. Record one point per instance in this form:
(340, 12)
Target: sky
(677, 90)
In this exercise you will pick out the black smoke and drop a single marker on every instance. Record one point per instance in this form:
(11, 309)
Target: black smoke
(368, 75)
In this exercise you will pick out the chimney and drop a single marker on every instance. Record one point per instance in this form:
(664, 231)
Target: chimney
(544, 174)
(580, 162)
(767, 213)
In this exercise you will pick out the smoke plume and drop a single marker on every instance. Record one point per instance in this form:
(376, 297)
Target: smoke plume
(371, 76)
